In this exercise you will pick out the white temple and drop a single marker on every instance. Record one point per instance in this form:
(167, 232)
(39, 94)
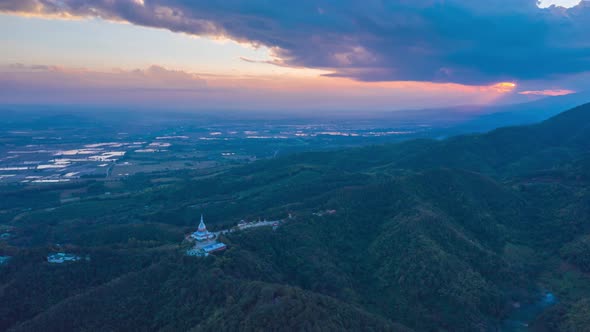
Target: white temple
(202, 234)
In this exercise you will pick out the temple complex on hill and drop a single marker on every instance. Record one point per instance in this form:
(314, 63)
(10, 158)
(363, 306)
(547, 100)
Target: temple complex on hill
(205, 242)
(202, 234)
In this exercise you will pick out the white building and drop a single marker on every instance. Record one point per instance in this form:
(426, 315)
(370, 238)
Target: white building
(202, 234)
(197, 252)
(61, 257)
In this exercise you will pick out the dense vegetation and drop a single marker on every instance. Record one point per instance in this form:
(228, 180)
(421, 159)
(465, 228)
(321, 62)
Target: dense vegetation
(427, 236)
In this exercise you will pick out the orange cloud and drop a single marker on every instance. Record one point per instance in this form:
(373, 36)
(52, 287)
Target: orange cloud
(504, 87)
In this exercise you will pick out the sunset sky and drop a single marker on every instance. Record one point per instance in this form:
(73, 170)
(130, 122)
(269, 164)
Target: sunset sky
(261, 54)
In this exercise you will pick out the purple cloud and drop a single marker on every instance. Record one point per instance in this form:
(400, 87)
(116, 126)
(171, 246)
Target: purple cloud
(462, 41)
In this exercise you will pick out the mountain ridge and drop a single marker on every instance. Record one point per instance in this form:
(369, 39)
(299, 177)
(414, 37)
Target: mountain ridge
(425, 234)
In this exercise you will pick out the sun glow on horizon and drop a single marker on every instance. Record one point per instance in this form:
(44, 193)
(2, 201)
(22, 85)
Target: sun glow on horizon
(504, 87)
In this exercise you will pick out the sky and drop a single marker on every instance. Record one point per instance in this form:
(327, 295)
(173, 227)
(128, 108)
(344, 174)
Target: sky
(299, 55)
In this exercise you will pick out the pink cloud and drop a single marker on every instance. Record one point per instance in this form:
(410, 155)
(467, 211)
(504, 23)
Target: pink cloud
(551, 93)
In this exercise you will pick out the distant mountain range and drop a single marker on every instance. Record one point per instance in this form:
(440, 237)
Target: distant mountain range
(521, 114)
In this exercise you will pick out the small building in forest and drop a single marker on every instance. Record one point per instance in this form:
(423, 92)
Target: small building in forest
(4, 259)
(217, 246)
(202, 234)
(61, 257)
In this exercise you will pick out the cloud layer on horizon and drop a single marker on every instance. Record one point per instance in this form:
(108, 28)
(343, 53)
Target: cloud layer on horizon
(159, 87)
(460, 41)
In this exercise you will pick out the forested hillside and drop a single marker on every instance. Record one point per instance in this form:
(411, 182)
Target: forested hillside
(426, 235)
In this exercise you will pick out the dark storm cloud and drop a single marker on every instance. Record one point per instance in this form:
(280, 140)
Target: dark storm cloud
(461, 41)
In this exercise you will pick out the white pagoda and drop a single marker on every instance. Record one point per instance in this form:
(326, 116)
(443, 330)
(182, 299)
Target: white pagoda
(202, 234)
